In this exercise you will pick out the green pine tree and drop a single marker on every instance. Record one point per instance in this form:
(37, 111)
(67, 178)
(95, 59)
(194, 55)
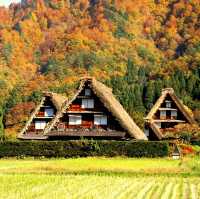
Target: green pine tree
(149, 95)
(132, 72)
(1, 124)
(190, 85)
(138, 90)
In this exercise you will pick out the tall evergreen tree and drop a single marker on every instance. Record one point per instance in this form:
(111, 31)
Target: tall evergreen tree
(149, 95)
(132, 72)
(158, 88)
(190, 84)
(182, 83)
(138, 90)
(1, 124)
(142, 75)
(14, 98)
(197, 91)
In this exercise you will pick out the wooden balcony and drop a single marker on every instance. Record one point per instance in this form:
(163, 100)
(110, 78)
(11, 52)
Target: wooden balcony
(40, 114)
(86, 133)
(169, 120)
(85, 112)
(167, 109)
(33, 135)
(44, 117)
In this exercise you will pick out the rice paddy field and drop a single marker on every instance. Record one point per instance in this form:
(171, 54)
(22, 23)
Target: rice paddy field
(100, 178)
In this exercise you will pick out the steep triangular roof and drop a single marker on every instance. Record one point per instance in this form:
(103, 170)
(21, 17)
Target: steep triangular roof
(176, 100)
(57, 100)
(157, 105)
(110, 102)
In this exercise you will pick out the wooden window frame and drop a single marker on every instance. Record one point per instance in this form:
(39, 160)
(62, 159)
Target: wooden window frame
(103, 120)
(75, 122)
(47, 115)
(40, 125)
(87, 92)
(86, 103)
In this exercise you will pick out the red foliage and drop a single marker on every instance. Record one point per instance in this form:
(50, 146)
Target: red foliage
(19, 113)
(186, 149)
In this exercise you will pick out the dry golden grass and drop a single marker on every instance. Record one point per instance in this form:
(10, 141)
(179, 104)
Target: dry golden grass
(99, 178)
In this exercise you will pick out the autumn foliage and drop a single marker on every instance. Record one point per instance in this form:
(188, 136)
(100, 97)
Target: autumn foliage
(48, 44)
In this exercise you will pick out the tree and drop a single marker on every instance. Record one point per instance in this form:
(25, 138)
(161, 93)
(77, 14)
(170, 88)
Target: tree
(131, 72)
(1, 124)
(14, 98)
(191, 81)
(138, 90)
(149, 95)
(158, 88)
(7, 51)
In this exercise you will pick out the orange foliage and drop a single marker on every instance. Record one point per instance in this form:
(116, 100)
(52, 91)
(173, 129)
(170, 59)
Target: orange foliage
(19, 113)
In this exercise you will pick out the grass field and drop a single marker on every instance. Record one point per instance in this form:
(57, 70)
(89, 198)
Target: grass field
(101, 178)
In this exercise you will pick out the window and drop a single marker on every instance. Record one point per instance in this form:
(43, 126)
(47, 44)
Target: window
(87, 92)
(168, 104)
(40, 125)
(75, 119)
(174, 113)
(87, 103)
(163, 114)
(146, 132)
(100, 119)
(48, 112)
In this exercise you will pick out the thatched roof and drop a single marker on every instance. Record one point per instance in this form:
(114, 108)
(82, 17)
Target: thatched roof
(57, 100)
(110, 102)
(177, 101)
(156, 130)
(179, 104)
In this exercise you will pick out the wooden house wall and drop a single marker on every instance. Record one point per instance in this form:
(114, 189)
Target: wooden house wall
(88, 122)
(47, 103)
(77, 105)
(152, 135)
(166, 125)
(88, 118)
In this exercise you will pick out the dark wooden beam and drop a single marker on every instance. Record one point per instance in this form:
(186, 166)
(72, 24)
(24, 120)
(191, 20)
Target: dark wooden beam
(87, 133)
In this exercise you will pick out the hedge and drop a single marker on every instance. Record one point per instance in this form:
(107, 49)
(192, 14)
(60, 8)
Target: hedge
(83, 148)
(195, 142)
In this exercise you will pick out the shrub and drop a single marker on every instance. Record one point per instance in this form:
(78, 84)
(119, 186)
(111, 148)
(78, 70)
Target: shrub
(186, 149)
(82, 148)
(196, 149)
(195, 142)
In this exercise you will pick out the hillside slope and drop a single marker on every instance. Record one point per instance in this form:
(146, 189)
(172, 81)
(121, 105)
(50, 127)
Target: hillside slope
(137, 47)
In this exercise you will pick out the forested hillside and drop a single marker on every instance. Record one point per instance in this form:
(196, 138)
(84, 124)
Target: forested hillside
(137, 47)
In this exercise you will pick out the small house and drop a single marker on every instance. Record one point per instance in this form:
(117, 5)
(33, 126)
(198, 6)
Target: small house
(167, 112)
(44, 112)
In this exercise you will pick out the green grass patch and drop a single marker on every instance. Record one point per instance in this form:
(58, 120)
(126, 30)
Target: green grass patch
(102, 165)
(100, 178)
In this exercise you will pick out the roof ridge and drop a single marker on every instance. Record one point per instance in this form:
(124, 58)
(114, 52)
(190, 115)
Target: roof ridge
(168, 90)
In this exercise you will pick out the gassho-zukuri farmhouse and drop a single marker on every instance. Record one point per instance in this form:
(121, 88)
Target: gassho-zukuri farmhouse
(94, 112)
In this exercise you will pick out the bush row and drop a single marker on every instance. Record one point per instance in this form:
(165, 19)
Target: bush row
(195, 142)
(83, 148)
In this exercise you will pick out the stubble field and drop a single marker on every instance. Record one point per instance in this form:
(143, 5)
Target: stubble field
(100, 178)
